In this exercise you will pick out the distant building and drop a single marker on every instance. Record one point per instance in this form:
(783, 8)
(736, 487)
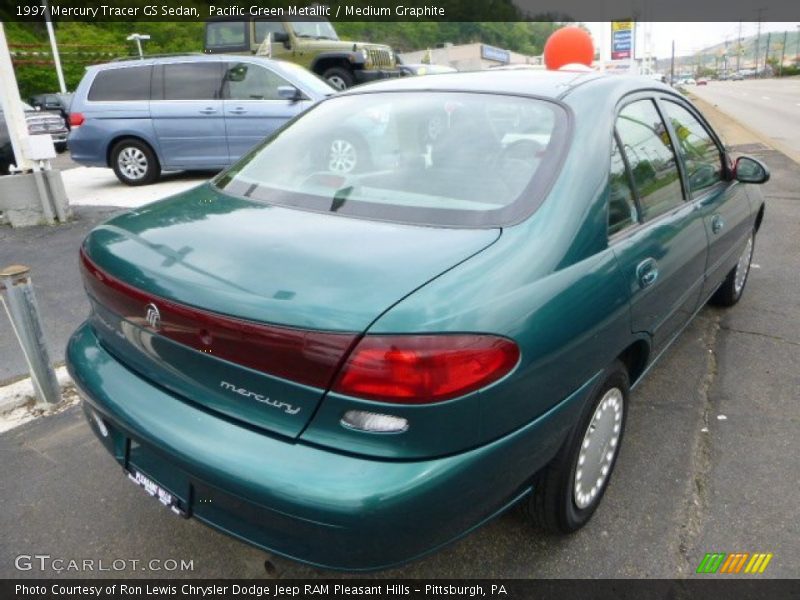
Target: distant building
(469, 57)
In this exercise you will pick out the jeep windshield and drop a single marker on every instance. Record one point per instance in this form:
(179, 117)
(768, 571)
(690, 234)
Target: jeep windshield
(321, 30)
(432, 158)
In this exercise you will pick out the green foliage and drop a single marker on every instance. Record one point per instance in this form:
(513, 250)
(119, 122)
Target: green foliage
(82, 44)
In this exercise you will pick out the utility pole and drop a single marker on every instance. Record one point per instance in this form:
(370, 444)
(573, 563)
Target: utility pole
(783, 53)
(56, 58)
(759, 11)
(739, 48)
(766, 55)
(672, 65)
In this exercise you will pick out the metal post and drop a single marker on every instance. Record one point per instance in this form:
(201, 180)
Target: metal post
(21, 308)
(56, 58)
(12, 106)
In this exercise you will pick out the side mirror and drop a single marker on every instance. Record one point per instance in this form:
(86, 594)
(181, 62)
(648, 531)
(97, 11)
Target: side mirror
(750, 170)
(289, 92)
(281, 37)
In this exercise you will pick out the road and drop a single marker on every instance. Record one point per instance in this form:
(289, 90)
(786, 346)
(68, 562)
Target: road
(710, 462)
(769, 107)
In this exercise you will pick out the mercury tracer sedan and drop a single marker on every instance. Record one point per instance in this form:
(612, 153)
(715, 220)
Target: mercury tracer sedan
(353, 367)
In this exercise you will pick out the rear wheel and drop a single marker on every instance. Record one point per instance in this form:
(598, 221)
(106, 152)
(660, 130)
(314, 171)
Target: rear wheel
(730, 292)
(134, 163)
(570, 488)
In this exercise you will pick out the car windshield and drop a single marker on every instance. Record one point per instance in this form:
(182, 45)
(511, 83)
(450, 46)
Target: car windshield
(458, 159)
(314, 29)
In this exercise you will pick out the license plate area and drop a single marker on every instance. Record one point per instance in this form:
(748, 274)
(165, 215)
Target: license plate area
(164, 496)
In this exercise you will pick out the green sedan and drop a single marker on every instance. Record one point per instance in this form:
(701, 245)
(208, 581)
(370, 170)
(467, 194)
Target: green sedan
(417, 304)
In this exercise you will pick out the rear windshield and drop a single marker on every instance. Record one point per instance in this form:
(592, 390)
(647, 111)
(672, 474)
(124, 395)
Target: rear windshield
(436, 158)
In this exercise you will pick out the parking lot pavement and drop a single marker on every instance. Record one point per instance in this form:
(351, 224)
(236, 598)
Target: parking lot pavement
(710, 461)
(94, 186)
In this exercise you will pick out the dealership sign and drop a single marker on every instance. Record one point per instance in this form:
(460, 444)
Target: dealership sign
(621, 40)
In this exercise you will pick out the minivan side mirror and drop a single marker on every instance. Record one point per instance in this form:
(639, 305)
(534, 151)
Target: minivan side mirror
(749, 170)
(289, 92)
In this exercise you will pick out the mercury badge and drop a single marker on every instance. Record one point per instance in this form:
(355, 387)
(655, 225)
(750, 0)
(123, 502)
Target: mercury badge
(153, 317)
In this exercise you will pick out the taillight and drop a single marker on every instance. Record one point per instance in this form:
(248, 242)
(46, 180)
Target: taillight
(304, 356)
(423, 369)
(76, 119)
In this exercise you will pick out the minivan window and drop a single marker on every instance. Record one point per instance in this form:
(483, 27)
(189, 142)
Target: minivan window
(124, 83)
(245, 81)
(434, 158)
(192, 81)
(651, 158)
(700, 153)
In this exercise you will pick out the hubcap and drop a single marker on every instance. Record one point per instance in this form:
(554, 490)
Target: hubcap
(343, 157)
(599, 446)
(743, 266)
(132, 162)
(337, 82)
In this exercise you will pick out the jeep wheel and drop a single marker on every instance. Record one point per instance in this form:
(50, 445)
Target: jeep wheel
(339, 78)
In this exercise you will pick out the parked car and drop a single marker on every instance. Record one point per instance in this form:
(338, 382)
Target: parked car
(737, 77)
(193, 112)
(311, 42)
(53, 102)
(39, 122)
(425, 69)
(702, 81)
(352, 369)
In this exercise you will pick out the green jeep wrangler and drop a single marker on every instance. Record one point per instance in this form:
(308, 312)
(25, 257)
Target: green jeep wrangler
(312, 44)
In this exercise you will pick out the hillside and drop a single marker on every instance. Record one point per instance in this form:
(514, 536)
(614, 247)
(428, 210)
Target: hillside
(82, 44)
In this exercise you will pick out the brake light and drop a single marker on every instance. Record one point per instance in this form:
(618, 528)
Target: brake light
(423, 369)
(76, 119)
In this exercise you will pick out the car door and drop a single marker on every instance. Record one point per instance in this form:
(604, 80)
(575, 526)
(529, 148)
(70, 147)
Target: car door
(721, 200)
(662, 253)
(187, 115)
(253, 108)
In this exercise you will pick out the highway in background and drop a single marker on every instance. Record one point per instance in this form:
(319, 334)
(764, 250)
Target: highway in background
(769, 107)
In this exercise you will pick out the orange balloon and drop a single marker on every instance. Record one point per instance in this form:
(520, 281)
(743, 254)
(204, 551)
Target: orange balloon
(568, 45)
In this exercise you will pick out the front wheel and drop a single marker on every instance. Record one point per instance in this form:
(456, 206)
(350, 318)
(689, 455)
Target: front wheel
(339, 78)
(135, 163)
(570, 488)
(730, 292)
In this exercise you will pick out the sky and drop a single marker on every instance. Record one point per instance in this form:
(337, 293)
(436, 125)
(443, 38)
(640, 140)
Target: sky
(691, 37)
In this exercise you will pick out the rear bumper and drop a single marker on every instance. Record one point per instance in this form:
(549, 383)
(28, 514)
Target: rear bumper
(309, 504)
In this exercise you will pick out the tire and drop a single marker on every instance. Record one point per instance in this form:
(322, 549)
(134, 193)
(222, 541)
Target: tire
(561, 501)
(61, 147)
(339, 77)
(731, 290)
(134, 162)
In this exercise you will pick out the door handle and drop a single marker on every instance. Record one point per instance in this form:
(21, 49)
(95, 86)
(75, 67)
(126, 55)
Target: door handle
(208, 111)
(647, 272)
(237, 111)
(717, 223)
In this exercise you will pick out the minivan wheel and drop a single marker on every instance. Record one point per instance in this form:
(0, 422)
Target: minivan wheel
(570, 488)
(134, 163)
(339, 78)
(730, 292)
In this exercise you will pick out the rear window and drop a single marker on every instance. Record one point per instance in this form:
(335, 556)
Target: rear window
(127, 83)
(226, 34)
(438, 158)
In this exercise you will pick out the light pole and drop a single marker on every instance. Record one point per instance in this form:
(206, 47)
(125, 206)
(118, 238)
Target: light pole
(138, 37)
(56, 58)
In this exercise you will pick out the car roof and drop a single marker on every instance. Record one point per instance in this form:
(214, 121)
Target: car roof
(189, 57)
(526, 82)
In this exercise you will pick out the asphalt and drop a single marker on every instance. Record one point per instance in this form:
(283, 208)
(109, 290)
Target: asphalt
(710, 461)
